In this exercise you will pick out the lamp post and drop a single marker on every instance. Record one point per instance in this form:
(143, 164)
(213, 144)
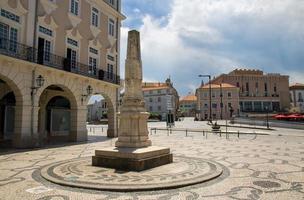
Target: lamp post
(210, 109)
(221, 95)
(89, 91)
(267, 120)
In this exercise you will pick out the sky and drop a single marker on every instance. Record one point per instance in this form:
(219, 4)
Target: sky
(185, 38)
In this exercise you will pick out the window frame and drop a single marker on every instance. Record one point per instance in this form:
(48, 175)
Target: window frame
(96, 13)
(78, 7)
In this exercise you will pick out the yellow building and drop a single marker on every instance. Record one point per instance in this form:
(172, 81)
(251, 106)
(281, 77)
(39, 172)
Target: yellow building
(187, 105)
(54, 54)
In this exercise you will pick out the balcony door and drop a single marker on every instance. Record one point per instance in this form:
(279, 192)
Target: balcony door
(72, 57)
(44, 51)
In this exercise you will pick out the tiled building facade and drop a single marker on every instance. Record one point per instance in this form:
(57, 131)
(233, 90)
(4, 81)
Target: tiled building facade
(258, 92)
(54, 54)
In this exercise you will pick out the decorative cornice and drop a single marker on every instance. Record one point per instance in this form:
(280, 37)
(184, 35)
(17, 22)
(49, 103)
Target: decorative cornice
(19, 9)
(47, 20)
(95, 30)
(48, 6)
(75, 20)
(74, 33)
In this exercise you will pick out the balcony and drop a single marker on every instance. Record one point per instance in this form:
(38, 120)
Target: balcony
(30, 54)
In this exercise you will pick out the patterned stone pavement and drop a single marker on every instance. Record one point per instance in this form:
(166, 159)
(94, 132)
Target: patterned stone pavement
(258, 167)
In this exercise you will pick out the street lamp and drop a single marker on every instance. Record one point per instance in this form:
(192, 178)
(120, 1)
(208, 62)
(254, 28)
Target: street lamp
(89, 91)
(39, 83)
(210, 109)
(267, 120)
(221, 95)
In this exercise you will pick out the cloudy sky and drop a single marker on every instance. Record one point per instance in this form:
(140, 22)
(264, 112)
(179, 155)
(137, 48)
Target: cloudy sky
(184, 38)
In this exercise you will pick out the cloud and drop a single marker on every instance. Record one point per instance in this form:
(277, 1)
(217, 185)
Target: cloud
(216, 36)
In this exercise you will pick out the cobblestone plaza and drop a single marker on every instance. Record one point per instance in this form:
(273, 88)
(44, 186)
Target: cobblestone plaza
(254, 166)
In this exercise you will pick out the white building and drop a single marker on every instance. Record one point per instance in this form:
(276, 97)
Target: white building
(161, 98)
(97, 110)
(297, 97)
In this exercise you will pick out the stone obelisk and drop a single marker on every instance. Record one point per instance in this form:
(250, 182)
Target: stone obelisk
(133, 150)
(133, 130)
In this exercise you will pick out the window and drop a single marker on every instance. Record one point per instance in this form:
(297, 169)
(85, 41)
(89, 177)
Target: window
(110, 71)
(73, 58)
(237, 84)
(213, 94)
(247, 89)
(229, 94)
(72, 42)
(47, 50)
(92, 65)
(13, 39)
(74, 7)
(150, 92)
(94, 51)
(205, 105)
(265, 89)
(159, 108)
(229, 105)
(150, 99)
(111, 58)
(159, 99)
(111, 2)
(214, 105)
(150, 108)
(111, 27)
(300, 98)
(158, 91)
(95, 16)
(9, 15)
(275, 88)
(45, 31)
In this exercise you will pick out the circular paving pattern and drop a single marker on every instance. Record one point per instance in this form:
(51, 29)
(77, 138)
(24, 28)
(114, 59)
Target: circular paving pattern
(182, 172)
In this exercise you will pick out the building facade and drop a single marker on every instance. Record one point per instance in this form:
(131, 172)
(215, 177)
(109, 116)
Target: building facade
(53, 56)
(224, 101)
(259, 92)
(297, 97)
(161, 98)
(188, 105)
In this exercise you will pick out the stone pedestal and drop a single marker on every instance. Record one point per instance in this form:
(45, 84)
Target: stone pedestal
(133, 151)
(132, 159)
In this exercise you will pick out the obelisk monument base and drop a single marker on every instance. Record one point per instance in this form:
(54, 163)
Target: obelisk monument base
(133, 150)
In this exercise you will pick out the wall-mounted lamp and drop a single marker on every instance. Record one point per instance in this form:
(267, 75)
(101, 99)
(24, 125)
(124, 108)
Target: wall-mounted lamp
(39, 83)
(89, 91)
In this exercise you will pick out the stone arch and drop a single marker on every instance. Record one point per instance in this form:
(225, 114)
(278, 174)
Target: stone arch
(110, 98)
(14, 111)
(50, 92)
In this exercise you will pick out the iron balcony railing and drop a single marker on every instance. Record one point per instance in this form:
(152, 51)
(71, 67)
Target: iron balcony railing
(27, 53)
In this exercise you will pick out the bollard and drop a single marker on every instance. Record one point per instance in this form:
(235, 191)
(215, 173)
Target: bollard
(170, 131)
(102, 129)
(238, 134)
(203, 133)
(186, 132)
(155, 131)
(220, 133)
(206, 134)
(167, 132)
